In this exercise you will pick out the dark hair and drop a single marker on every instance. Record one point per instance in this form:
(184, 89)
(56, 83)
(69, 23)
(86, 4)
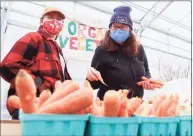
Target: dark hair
(129, 46)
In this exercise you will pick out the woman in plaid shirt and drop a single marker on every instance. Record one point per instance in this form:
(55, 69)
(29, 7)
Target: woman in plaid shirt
(39, 54)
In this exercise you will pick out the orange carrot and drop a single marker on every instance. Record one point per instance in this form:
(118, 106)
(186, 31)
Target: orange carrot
(123, 108)
(111, 103)
(153, 84)
(123, 93)
(146, 110)
(44, 96)
(153, 81)
(26, 91)
(101, 109)
(61, 93)
(157, 112)
(156, 102)
(177, 110)
(58, 84)
(132, 105)
(98, 101)
(87, 84)
(14, 102)
(123, 103)
(141, 108)
(93, 108)
(156, 82)
(84, 111)
(165, 105)
(156, 85)
(37, 100)
(70, 104)
(172, 109)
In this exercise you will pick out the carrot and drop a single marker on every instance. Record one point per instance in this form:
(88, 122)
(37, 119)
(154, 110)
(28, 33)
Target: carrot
(123, 108)
(14, 102)
(146, 110)
(44, 96)
(87, 84)
(153, 81)
(84, 111)
(98, 101)
(70, 104)
(62, 92)
(165, 105)
(123, 104)
(26, 90)
(156, 102)
(132, 105)
(101, 109)
(58, 84)
(178, 110)
(93, 108)
(156, 85)
(37, 100)
(141, 108)
(123, 93)
(172, 109)
(120, 92)
(156, 82)
(111, 103)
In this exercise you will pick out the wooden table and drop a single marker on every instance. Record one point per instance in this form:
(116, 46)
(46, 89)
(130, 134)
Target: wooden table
(10, 128)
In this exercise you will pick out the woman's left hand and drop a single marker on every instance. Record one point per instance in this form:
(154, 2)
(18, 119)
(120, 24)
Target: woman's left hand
(146, 84)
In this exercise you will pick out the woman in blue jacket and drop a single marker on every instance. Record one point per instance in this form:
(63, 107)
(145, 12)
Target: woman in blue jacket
(120, 60)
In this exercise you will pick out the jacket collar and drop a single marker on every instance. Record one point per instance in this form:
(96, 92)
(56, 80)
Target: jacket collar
(44, 34)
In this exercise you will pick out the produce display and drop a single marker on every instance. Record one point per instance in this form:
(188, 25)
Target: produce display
(71, 103)
(69, 98)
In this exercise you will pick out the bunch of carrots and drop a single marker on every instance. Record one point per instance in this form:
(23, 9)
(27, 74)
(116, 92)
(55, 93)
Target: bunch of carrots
(115, 104)
(69, 98)
(161, 106)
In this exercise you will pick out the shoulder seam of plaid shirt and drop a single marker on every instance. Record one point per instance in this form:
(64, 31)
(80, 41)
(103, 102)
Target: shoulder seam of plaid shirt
(39, 56)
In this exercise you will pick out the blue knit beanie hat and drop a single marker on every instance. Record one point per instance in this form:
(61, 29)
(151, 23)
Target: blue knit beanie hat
(122, 15)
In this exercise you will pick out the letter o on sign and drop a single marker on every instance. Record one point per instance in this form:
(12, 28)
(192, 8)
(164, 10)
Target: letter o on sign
(72, 28)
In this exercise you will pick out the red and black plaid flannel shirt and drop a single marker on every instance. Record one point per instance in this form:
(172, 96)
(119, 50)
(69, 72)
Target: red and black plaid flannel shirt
(39, 56)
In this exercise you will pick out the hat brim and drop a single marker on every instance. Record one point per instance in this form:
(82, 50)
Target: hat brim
(120, 23)
(60, 13)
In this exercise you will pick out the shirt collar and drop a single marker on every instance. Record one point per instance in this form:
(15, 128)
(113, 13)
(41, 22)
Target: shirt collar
(44, 34)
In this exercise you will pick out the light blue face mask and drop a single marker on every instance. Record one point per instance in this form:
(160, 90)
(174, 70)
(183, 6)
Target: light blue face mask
(119, 36)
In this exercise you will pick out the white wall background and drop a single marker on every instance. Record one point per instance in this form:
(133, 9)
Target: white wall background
(172, 50)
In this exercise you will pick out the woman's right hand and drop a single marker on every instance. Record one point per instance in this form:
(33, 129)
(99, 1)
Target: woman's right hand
(93, 74)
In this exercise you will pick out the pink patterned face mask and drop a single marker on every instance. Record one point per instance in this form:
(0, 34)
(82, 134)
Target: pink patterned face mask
(53, 27)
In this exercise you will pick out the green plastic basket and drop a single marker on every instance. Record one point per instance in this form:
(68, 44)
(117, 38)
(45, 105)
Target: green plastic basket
(53, 124)
(185, 126)
(157, 126)
(113, 126)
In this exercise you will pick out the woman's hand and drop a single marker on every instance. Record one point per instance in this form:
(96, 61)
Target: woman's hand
(93, 74)
(146, 84)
